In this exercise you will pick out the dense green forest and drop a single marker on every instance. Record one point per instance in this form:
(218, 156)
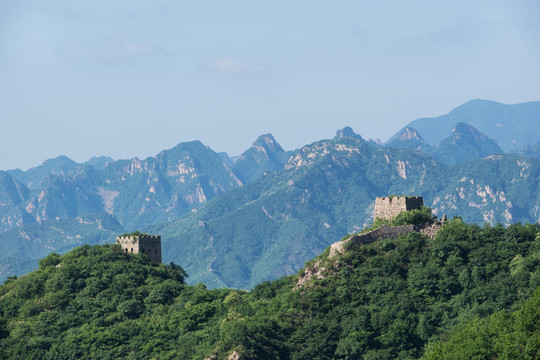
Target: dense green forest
(503, 335)
(470, 287)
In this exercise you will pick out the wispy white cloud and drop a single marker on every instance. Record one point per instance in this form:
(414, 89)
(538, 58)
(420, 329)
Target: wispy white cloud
(235, 66)
(118, 49)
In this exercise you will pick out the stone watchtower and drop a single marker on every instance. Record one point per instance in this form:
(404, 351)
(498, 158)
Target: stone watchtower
(390, 206)
(148, 244)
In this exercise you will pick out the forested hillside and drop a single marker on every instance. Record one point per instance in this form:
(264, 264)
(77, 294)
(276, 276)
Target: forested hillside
(503, 335)
(385, 300)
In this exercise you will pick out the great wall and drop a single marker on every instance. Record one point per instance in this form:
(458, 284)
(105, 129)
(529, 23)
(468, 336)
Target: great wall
(385, 208)
(147, 244)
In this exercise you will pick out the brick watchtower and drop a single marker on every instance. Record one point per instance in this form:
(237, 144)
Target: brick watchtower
(147, 244)
(390, 206)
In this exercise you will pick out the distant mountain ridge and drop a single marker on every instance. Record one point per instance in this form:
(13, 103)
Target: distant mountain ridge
(465, 143)
(138, 192)
(60, 165)
(238, 220)
(512, 126)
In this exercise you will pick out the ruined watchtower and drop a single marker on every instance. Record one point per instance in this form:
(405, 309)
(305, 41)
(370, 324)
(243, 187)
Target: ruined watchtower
(148, 244)
(390, 206)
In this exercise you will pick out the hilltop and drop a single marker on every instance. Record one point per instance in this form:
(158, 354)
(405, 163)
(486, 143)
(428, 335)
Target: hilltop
(386, 299)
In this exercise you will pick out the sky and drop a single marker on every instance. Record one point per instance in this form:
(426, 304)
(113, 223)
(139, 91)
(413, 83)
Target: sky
(130, 78)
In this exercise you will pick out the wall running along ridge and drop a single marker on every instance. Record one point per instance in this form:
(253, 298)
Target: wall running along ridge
(382, 232)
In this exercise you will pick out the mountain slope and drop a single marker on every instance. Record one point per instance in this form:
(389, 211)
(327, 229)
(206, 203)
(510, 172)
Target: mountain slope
(271, 227)
(162, 187)
(99, 162)
(23, 246)
(409, 138)
(137, 192)
(507, 335)
(60, 165)
(13, 195)
(65, 197)
(264, 155)
(465, 143)
(529, 151)
(512, 126)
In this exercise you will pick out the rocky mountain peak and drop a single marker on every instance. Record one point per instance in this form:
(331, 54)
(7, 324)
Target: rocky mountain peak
(465, 143)
(347, 131)
(267, 142)
(408, 138)
(264, 155)
(409, 133)
(99, 162)
(463, 129)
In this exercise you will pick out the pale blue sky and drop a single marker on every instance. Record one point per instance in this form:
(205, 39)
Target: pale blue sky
(131, 78)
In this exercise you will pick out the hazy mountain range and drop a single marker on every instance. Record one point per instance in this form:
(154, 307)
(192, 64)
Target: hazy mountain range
(512, 126)
(464, 143)
(238, 220)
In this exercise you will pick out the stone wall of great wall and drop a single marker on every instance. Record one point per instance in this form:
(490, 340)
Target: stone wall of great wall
(385, 208)
(390, 206)
(382, 232)
(148, 244)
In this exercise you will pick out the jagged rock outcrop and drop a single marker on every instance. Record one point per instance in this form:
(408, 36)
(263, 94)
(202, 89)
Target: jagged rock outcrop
(347, 131)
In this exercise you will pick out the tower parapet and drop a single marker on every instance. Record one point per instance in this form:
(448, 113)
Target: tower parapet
(147, 244)
(390, 206)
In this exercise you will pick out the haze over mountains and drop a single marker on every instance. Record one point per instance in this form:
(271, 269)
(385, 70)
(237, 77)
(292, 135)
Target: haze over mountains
(237, 221)
(512, 126)
(464, 143)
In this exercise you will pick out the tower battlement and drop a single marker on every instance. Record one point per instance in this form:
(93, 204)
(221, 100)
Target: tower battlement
(390, 206)
(147, 244)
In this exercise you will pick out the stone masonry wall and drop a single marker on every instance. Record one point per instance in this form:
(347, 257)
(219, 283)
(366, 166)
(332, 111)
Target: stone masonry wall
(384, 232)
(148, 244)
(389, 207)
